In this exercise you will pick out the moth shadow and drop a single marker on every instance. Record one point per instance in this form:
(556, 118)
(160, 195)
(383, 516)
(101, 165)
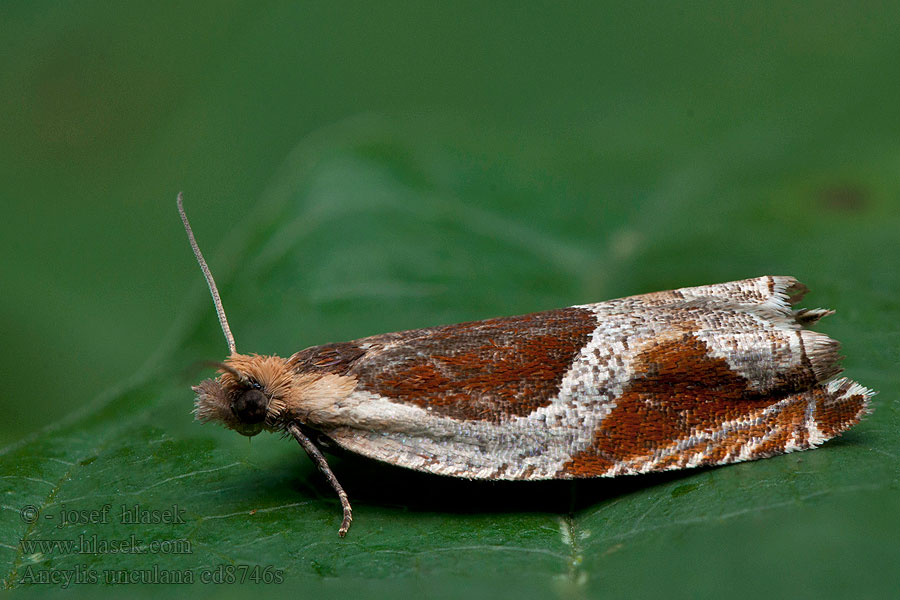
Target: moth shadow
(378, 484)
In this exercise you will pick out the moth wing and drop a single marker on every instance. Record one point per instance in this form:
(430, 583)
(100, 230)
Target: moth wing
(696, 376)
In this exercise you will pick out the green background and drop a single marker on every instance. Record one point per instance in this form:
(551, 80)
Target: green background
(357, 168)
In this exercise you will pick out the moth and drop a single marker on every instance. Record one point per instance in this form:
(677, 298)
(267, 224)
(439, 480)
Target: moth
(691, 377)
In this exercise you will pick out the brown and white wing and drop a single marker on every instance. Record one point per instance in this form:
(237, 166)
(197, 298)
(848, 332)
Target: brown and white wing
(698, 376)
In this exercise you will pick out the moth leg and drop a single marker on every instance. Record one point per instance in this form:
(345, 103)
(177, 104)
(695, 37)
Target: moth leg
(319, 459)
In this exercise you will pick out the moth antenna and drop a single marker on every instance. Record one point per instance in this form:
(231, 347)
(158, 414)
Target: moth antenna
(209, 278)
(220, 365)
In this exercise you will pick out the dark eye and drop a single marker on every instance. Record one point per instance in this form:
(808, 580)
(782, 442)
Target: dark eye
(250, 406)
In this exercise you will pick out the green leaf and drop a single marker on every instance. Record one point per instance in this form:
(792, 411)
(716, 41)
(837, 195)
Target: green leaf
(372, 226)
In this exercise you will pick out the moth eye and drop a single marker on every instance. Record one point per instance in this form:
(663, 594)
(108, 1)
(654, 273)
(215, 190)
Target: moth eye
(250, 406)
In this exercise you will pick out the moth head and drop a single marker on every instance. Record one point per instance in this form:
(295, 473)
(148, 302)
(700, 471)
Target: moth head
(248, 395)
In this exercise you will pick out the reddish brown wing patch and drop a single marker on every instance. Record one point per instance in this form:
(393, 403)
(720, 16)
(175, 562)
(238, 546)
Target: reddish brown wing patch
(484, 370)
(837, 411)
(678, 389)
(330, 358)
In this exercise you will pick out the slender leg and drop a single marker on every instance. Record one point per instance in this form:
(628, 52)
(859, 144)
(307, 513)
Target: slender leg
(317, 458)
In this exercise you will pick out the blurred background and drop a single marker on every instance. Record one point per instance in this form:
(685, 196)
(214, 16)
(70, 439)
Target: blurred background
(352, 168)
